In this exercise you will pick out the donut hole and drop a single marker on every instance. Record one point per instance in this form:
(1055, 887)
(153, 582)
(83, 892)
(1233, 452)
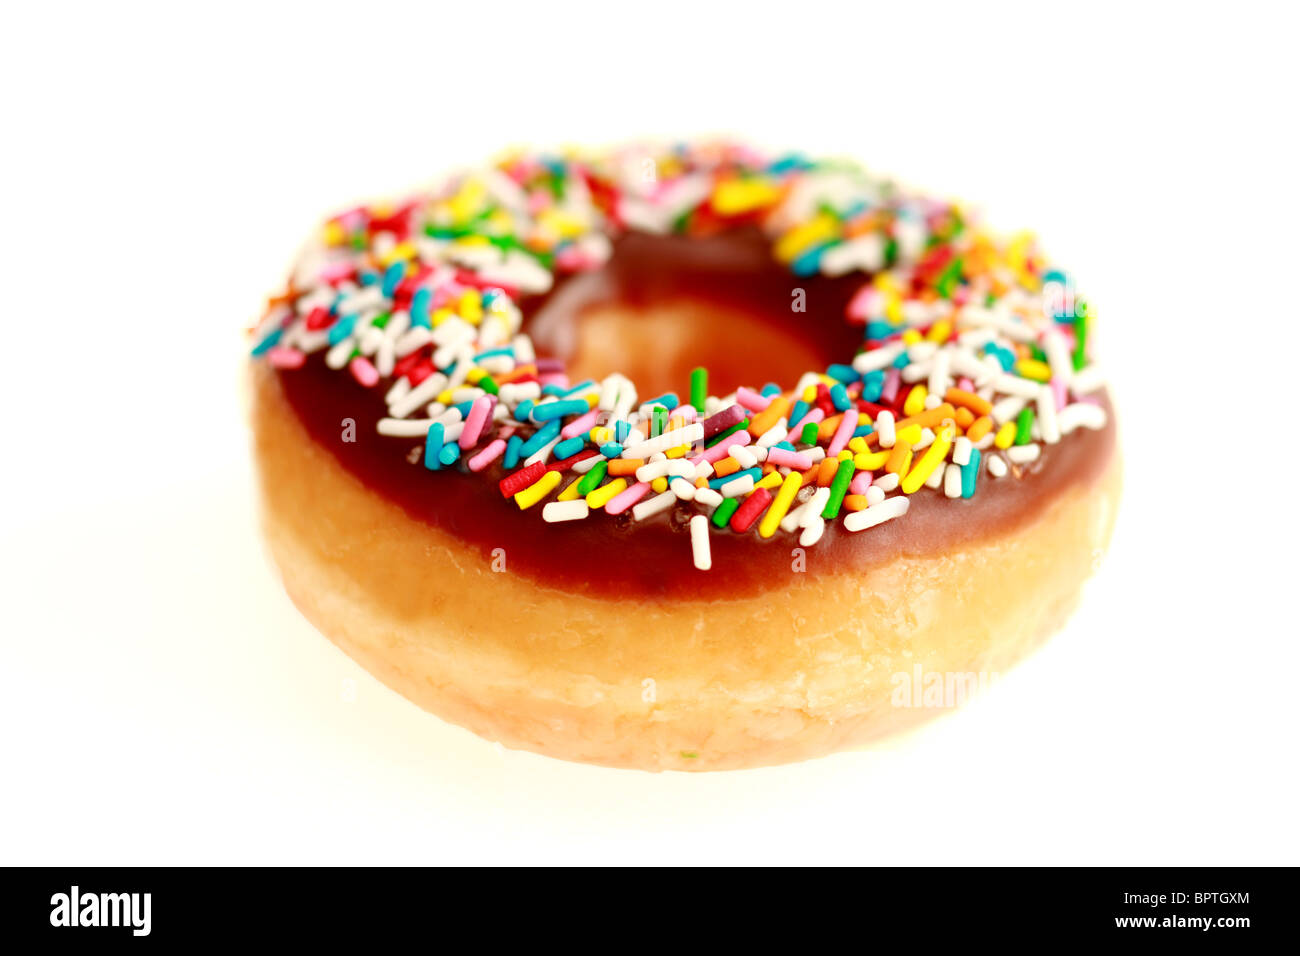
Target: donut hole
(664, 305)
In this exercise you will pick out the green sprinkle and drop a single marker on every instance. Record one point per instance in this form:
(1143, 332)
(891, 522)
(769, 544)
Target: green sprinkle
(839, 485)
(727, 433)
(809, 435)
(1080, 357)
(699, 388)
(722, 514)
(660, 422)
(689, 755)
(588, 482)
(488, 385)
(1024, 423)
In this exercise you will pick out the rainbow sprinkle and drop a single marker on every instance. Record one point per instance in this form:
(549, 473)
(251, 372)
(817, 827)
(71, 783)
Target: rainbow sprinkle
(974, 353)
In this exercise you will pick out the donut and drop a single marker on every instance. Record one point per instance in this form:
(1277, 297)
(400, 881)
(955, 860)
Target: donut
(680, 457)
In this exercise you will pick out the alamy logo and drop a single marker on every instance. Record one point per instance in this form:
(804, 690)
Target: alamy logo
(101, 909)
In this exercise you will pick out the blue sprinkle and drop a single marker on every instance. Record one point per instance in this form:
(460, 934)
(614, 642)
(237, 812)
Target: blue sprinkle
(880, 330)
(393, 275)
(433, 447)
(560, 409)
(611, 449)
(770, 389)
(463, 408)
(755, 473)
(586, 386)
(873, 383)
(512, 452)
(622, 430)
(553, 390)
(420, 308)
(862, 431)
(797, 411)
(807, 263)
(902, 361)
(541, 437)
(523, 409)
(843, 373)
(269, 342)
(970, 474)
(784, 444)
(569, 447)
(668, 400)
(840, 398)
(367, 277)
(493, 353)
(450, 454)
(341, 329)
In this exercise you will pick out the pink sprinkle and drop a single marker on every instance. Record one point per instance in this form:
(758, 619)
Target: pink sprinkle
(478, 414)
(848, 424)
(363, 371)
(488, 455)
(812, 418)
(965, 384)
(890, 390)
(862, 305)
(790, 459)
(752, 400)
(1058, 391)
(554, 378)
(860, 483)
(580, 425)
(284, 357)
(716, 453)
(627, 498)
(336, 271)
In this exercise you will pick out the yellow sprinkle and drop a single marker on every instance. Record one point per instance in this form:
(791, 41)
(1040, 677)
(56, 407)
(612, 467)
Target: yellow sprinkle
(538, 490)
(770, 480)
(780, 505)
(1034, 369)
(845, 455)
(570, 492)
(600, 496)
(467, 201)
(871, 460)
(677, 452)
(734, 197)
(659, 485)
(940, 331)
(444, 397)
(911, 337)
(1006, 435)
(818, 229)
(440, 316)
(470, 306)
(908, 433)
(810, 394)
(858, 444)
(601, 434)
(928, 462)
(475, 375)
(334, 234)
(915, 403)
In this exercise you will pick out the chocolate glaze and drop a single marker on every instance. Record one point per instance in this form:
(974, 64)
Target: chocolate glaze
(613, 556)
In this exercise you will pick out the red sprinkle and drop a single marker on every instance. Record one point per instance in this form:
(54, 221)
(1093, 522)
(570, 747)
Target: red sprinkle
(572, 460)
(749, 510)
(514, 483)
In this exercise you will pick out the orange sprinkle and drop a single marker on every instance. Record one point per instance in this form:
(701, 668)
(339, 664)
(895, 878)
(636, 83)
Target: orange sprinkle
(826, 428)
(725, 466)
(926, 419)
(959, 396)
(810, 476)
(980, 428)
(764, 420)
(900, 459)
(855, 502)
(624, 466)
(826, 471)
(964, 417)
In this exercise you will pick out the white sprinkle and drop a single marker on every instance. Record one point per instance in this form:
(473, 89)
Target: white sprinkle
(935, 480)
(1087, 380)
(885, 428)
(738, 486)
(1081, 415)
(886, 482)
(877, 514)
(1009, 384)
(813, 533)
(952, 481)
(652, 470)
(997, 467)
(1023, 454)
(1058, 355)
(565, 510)
(670, 439)
(773, 435)
(398, 391)
(939, 375)
(587, 464)
(1007, 409)
(875, 495)
(744, 456)
(700, 542)
(417, 396)
(1047, 423)
(961, 450)
(682, 488)
(404, 427)
(877, 359)
(706, 497)
(652, 506)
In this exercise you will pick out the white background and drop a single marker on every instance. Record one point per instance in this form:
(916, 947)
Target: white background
(162, 702)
